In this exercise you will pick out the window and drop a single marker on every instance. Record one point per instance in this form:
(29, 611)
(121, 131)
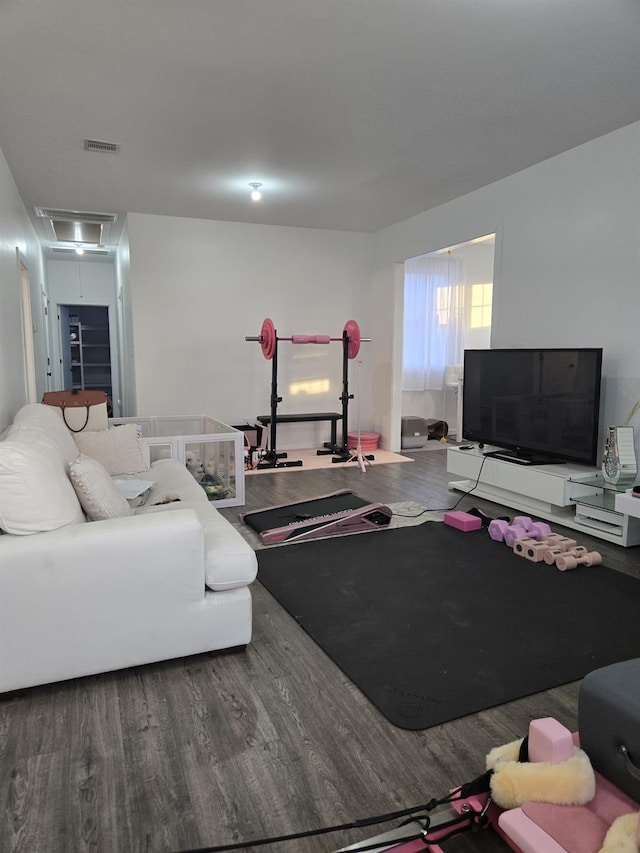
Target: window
(481, 301)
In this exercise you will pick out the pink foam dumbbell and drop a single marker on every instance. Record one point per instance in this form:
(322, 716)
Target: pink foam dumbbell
(513, 532)
(534, 529)
(538, 530)
(553, 554)
(497, 528)
(563, 543)
(572, 561)
(531, 549)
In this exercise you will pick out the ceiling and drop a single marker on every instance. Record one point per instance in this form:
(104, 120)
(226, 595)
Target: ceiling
(353, 114)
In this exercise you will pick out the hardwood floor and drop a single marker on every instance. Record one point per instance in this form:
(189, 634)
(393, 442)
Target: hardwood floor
(217, 749)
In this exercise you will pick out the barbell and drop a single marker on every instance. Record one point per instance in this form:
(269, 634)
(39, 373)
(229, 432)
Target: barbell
(268, 338)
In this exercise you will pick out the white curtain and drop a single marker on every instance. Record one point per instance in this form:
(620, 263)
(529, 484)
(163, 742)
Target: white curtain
(434, 320)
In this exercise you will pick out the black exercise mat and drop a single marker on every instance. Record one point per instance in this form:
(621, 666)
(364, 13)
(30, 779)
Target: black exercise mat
(433, 624)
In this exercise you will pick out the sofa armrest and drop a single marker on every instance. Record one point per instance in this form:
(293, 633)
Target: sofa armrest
(99, 570)
(133, 551)
(98, 596)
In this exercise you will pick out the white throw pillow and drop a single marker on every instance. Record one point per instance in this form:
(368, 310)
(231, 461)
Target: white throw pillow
(35, 492)
(96, 491)
(118, 449)
(41, 425)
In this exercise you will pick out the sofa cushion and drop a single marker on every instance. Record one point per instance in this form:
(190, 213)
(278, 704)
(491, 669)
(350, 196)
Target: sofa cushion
(118, 449)
(42, 426)
(96, 490)
(35, 491)
(229, 559)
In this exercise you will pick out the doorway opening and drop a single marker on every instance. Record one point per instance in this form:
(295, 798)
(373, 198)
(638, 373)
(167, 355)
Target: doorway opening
(86, 348)
(448, 301)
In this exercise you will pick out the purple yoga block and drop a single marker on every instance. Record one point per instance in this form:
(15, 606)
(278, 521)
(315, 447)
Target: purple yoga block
(462, 521)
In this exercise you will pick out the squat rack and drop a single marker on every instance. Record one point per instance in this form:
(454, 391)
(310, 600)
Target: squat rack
(269, 340)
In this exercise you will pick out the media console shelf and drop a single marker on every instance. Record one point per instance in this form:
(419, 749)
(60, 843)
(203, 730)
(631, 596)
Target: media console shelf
(573, 496)
(627, 504)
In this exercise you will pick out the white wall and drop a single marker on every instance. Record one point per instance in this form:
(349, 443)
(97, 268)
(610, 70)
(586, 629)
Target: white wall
(16, 232)
(567, 269)
(199, 287)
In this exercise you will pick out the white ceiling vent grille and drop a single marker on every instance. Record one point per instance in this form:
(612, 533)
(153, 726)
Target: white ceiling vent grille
(100, 145)
(65, 251)
(75, 215)
(77, 232)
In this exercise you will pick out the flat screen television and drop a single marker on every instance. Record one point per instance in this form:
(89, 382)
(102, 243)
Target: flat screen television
(535, 405)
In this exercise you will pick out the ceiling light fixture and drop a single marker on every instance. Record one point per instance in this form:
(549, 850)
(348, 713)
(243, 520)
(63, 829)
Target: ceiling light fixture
(256, 195)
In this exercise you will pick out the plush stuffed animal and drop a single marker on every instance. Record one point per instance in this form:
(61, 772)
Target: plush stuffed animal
(194, 464)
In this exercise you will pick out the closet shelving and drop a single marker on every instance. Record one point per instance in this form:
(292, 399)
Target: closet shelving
(88, 351)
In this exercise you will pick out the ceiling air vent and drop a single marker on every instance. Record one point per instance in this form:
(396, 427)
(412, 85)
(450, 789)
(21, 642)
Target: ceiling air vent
(65, 251)
(77, 232)
(75, 215)
(99, 145)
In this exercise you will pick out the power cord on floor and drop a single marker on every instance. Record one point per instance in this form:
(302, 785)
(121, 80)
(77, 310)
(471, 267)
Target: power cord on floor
(412, 515)
(456, 504)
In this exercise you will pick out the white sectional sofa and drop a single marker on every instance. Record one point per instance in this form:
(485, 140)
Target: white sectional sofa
(144, 584)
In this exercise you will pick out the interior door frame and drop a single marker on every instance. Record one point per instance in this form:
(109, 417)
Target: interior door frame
(26, 313)
(58, 346)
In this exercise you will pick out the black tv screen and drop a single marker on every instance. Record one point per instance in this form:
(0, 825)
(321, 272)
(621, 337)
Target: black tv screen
(538, 405)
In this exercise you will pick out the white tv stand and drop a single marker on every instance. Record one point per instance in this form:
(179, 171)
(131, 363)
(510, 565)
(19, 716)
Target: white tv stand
(573, 496)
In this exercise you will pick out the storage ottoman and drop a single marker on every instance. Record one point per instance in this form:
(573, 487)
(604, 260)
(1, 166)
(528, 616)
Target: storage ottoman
(609, 723)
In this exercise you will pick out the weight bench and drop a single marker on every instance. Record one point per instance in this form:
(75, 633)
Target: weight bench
(332, 417)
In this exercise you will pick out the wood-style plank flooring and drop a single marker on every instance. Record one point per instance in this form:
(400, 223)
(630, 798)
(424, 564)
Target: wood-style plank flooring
(217, 749)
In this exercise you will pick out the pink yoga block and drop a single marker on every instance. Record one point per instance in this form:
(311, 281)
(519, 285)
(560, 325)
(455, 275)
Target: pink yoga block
(549, 740)
(462, 521)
